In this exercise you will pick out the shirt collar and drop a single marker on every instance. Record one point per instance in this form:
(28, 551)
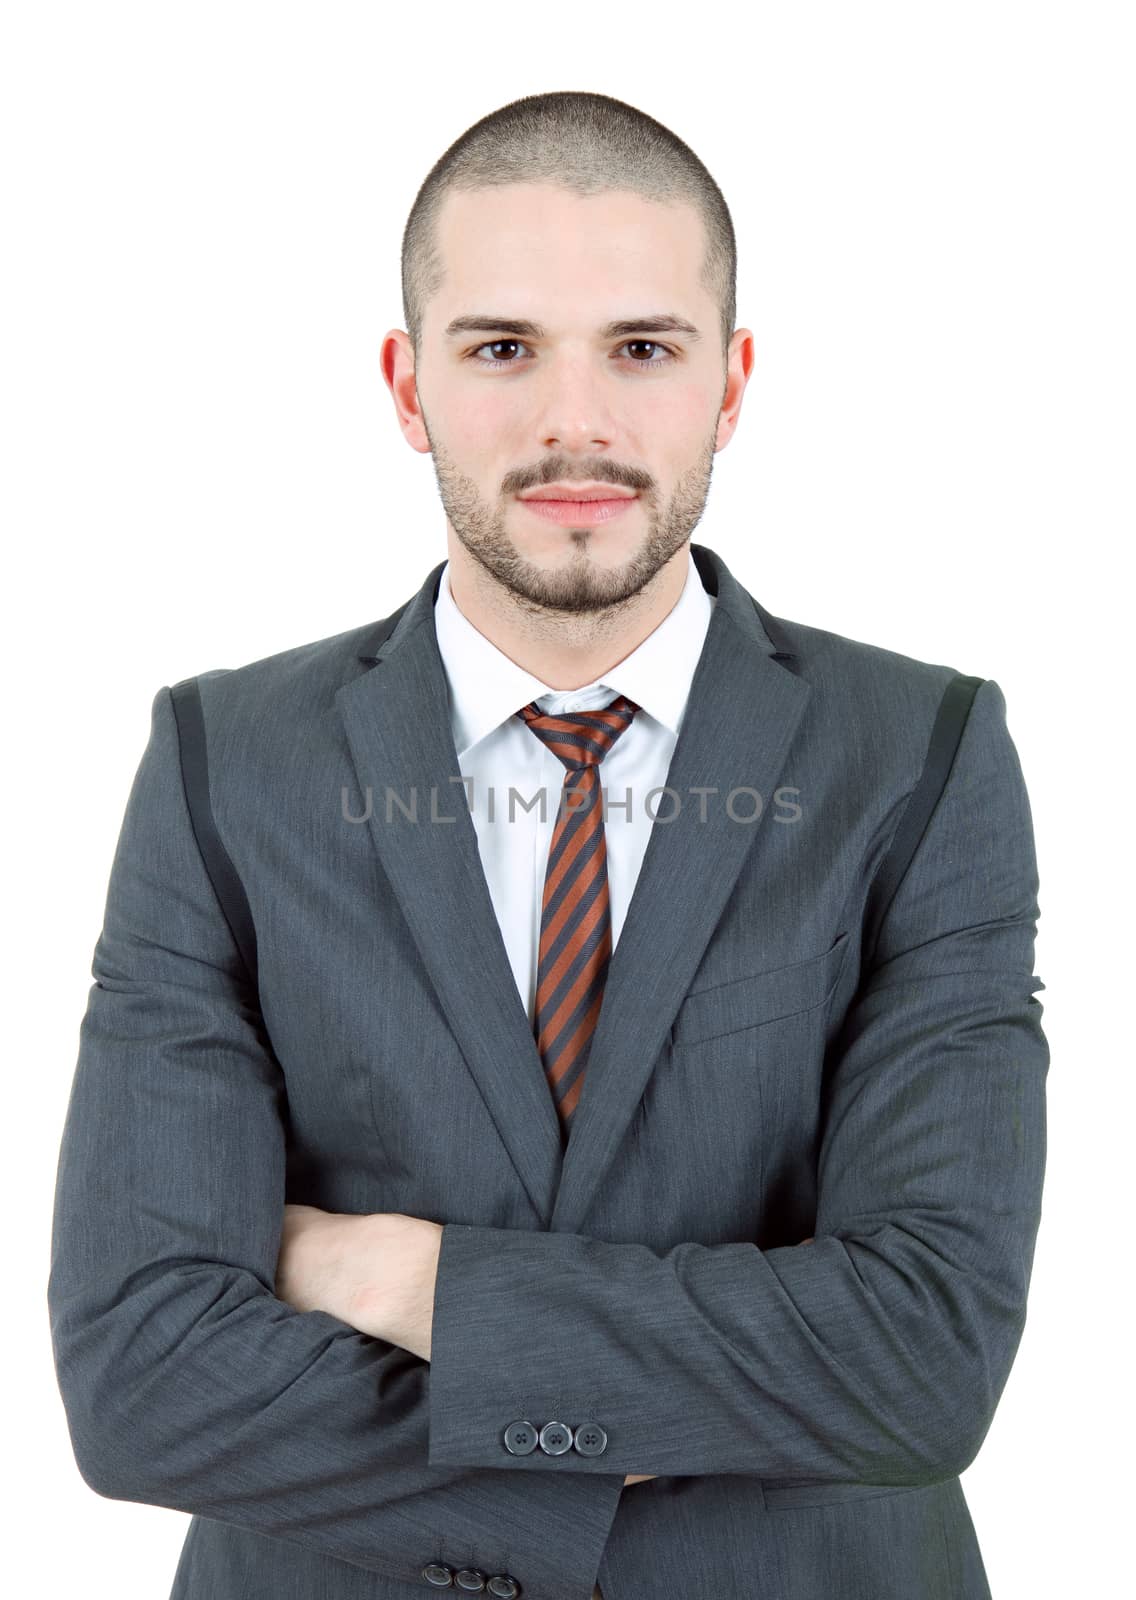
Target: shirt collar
(486, 686)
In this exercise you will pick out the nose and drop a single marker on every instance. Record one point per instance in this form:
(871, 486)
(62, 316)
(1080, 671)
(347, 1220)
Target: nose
(574, 406)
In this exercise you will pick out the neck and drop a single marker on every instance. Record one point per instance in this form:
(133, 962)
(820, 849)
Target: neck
(563, 649)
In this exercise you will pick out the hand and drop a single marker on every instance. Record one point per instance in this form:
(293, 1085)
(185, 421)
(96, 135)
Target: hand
(394, 1299)
(318, 1267)
(373, 1270)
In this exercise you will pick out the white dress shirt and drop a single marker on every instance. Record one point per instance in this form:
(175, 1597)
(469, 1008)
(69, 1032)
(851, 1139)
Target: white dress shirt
(496, 752)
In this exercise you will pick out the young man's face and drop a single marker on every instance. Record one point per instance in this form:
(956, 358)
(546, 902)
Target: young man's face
(641, 410)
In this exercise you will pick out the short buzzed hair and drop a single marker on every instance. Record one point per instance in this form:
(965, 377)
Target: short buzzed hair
(586, 143)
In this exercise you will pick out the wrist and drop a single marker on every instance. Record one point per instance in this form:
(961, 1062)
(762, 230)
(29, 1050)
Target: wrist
(394, 1269)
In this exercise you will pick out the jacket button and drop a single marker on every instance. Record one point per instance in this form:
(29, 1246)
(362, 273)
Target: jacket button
(555, 1438)
(503, 1587)
(520, 1438)
(438, 1574)
(470, 1579)
(591, 1440)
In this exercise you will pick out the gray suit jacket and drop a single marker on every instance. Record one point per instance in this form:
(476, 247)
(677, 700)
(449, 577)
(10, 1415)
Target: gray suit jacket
(638, 1303)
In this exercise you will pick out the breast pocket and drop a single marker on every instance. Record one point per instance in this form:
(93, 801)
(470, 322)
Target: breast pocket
(760, 997)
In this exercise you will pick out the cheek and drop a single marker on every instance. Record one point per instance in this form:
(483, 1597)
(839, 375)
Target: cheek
(487, 425)
(664, 430)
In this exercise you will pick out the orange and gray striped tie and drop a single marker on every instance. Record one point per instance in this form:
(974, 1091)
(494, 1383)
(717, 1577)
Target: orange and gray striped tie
(575, 920)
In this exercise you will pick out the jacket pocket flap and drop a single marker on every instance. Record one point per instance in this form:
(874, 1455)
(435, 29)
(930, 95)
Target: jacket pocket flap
(783, 1493)
(760, 997)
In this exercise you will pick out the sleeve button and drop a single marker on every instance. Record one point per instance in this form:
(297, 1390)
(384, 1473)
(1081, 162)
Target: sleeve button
(590, 1439)
(520, 1438)
(555, 1438)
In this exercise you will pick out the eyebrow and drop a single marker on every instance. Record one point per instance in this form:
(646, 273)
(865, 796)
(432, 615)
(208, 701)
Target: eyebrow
(659, 322)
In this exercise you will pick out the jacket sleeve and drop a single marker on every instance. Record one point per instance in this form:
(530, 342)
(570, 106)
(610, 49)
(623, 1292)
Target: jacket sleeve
(186, 1383)
(878, 1353)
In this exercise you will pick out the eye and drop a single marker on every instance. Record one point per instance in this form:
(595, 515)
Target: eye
(667, 354)
(495, 344)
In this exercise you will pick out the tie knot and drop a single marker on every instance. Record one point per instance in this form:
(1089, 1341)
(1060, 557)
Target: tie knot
(581, 738)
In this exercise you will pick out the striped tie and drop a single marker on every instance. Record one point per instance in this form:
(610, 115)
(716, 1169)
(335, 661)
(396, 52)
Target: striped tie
(575, 919)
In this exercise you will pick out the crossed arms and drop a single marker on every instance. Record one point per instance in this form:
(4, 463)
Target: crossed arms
(377, 1272)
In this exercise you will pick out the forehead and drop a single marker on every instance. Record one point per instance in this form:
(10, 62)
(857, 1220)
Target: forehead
(518, 246)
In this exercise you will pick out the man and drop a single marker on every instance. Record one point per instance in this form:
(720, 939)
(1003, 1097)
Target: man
(611, 1195)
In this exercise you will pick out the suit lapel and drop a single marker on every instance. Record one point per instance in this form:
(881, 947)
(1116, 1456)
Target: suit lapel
(743, 710)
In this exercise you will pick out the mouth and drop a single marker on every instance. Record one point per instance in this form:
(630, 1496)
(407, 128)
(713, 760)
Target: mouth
(580, 512)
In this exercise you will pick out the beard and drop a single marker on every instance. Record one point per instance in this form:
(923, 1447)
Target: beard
(578, 585)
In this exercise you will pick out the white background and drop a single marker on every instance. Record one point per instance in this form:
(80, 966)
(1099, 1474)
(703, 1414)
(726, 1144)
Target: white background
(203, 207)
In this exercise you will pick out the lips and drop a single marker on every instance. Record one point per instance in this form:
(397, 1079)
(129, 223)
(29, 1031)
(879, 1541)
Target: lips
(580, 513)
